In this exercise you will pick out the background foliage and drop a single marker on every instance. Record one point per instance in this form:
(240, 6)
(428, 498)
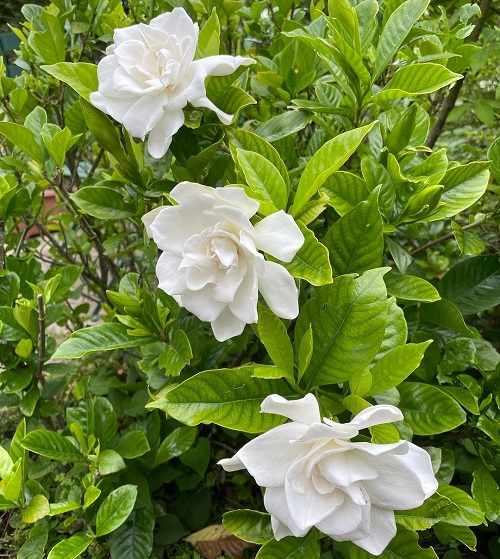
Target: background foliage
(390, 204)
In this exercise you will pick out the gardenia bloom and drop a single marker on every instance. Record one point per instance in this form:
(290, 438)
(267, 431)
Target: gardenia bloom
(148, 75)
(210, 262)
(315, 476)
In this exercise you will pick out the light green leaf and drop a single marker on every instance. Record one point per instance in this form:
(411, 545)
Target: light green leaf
(291, 548)
(37, 509)
(305, 352)
(395, 366)
(434, 509)
(115, 509)
(52, 445)
(428, 410)
(311, 261)
(109, 462)
(228, 397)
(81, 76)
(345, 191)
(469, 513)
(91, 495)
(249, 525)
(417, 79)
(6, 463)
(208, 39)
(494, 157)
(328, 159)
(71, 548)
(13, 482)
(63, 506)
(445, 532)
(23, 138)
(395, 32)
(469, 243)
(177, 354)
(102, 337)
(234, 99)
(133, 444)
(348, 320)
(49, 44)
(356, 240)
(473, 285)
(175, 444)
(273, 335)
(463, 185)
(102, 202)
(485, 492)
(396, 329)
(281, 126)
(445, 314)
(410, 288)
(264, 179)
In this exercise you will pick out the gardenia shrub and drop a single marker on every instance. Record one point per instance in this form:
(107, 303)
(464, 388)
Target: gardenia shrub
(250, 224)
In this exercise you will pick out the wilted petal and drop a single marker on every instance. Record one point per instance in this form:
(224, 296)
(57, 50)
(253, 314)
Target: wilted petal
(382, 530)
(279, 290)
(276, 504)
(278, 235)
(305, 410)
(227, 326)
(160, 136)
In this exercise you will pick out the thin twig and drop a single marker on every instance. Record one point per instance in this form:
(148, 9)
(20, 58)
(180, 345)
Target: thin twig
(445, 237)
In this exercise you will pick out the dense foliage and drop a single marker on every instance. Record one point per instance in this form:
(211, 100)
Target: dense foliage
(117, 403)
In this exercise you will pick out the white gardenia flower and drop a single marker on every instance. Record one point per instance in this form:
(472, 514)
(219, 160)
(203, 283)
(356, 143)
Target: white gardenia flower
(148, 76)
(211, 262)
(315, 476)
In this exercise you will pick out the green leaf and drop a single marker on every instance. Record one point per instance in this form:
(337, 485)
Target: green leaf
(234, 99)
(473, 285)
(23, 138)
(13, 482)
(468, 243)
(273, 335)
(102, 202)
(395, 366)
(6, 463)
(305, 352)
(469, 513)
(445, 314)
(395, 32)
(92, 493)
(485, 492)
(311, 261)
(115, 509)
(428, 410)
(410, 288)
(463, 185)
(177, 354)
(63, 506)
(249, 525)
(264, 180)
(281, 126)
(81, 76)
(49, 44)
(175, 444)
(37, 509)
(109, 462)
(328, 159)
(52, 445)
(404, 545)
(133, 444)
(494, 157)
(103, 337)
(434, 509)
(446, 532)
(71, 548)
(228, 397)
(348, 321)
(134, 539)
(356, 240)
(291, 548)
(345, 191)
(208, 39)
(417, 79)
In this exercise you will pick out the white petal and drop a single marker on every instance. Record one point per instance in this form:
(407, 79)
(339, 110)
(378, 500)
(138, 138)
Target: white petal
(279, 235)
(280, 530)
(143, 116)
(382, 530)
(177, 22)
(160, 136)
(331, 430)
(186, 192)
(345, 468)
(305, 410)
(170, 278)
(269, 456)
(227, 326)
(343, 520)
(279, 290)
(376, 415)
(244, 304)
(231, 464)
(276, 504)
(205, 102)
(236, 196)
(223, 64)
(112, 106)
(148, 219)
(201, 304)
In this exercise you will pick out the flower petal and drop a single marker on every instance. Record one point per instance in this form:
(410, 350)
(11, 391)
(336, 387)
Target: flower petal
(205, 102)
(223, 64)
(201, 304)
(177, 22)
(227, 326)
(382, 530)
(377, 415)
(305, 410)
(244, 304)
(279, 290)
(148, 219)
(278, 235)
(345, 468)
(170, 278)
(276, 504)
(143, 116)
(345, 519)
(236, 196)
(160, 136)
